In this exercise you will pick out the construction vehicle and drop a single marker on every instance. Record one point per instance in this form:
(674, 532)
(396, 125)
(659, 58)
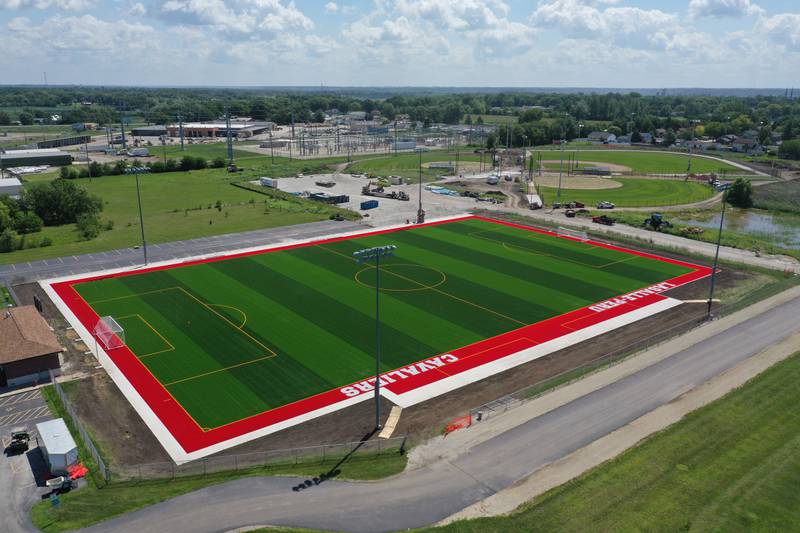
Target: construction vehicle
(234, 168)
(327, 184)
(379, 192)
(574, 205)
(656, 222)
(603, 219)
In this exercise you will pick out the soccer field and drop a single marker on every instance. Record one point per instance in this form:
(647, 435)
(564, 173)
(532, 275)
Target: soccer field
(234, 338)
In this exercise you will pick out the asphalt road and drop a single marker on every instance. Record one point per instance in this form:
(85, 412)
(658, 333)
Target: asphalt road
(15, 274)
(427, 495)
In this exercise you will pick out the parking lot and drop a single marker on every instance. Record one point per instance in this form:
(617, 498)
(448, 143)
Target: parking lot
(19, 473)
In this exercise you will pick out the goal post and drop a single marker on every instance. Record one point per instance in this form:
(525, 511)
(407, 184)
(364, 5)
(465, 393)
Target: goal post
(109, 334)
(574, 233)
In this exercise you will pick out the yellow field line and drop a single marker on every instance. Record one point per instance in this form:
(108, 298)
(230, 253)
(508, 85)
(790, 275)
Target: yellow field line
(149, 325)
(218, 370)
(435, 290)
(537, 252)
(223, 317)
(244, 315)
(132, 295)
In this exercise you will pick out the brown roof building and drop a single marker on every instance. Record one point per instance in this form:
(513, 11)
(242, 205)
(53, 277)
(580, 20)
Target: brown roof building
(28, 347)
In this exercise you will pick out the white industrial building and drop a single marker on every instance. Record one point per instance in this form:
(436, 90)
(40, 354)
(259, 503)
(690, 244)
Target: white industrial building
(11, 187)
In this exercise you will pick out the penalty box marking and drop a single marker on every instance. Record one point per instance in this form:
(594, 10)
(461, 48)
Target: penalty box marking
(210, 308)
(518, 248)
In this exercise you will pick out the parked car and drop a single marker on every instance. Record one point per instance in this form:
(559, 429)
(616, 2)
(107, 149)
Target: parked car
(605, 205)
(603, 219)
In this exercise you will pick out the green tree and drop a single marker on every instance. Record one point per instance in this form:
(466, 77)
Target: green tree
(740, 194)
(5, 217)
(89, 226)
(8, 241)
(790, 149)
(28, 223)
(25, 118)
(5, 118)
(491, 141)
(636, 137)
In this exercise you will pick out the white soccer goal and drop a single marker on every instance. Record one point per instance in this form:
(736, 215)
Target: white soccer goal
(574, 233)
(109, 334)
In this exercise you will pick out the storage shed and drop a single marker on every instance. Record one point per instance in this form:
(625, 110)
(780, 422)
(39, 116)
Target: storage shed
(11, 187)
(58, 446)
(29, 349)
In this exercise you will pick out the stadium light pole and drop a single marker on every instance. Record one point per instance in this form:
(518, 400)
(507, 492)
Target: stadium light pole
(420, 212)
(136, 171)
(716, 259)
(364, 256)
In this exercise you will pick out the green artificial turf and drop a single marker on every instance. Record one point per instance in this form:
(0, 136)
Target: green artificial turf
(233, 338)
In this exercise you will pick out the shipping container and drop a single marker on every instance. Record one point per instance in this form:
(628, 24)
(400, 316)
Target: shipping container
(369, 204)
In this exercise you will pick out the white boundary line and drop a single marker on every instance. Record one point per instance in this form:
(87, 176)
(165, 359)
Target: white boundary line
(179, 455)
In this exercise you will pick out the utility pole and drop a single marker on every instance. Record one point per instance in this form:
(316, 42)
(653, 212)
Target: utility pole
(271, 148)
(363, 256)
(229, 135)
(716, 259)
(180, 130)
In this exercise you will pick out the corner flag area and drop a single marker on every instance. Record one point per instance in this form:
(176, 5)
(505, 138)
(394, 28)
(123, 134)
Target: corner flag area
(223, 350)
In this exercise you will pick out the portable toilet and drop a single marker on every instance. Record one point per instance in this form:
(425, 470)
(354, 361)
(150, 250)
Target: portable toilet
(58, 447)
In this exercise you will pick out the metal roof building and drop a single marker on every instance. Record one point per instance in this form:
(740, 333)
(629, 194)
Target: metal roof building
(24, 158)
(58, 445)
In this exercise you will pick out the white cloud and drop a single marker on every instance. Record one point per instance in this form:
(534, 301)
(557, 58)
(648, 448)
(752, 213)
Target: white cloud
(67, 5)
(241, 16)
(331, 7)
(723, 8)
(782, 29)
(137, 10)
(77, 34)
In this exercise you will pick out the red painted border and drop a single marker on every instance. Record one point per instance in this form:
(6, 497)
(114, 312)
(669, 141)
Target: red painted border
(192, 438)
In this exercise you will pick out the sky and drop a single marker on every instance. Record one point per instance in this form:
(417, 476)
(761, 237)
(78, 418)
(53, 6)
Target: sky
(477, 43)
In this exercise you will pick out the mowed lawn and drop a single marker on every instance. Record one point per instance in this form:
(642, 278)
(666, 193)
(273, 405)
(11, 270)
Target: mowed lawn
(731, 466)
(648, 162)
(233, 338)
(635, 192)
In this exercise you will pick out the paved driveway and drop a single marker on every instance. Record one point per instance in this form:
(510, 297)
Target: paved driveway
(18, 473)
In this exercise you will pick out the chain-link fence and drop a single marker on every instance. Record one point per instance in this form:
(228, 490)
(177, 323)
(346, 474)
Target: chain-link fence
(327, 457)
(535, 390)
(84, 435)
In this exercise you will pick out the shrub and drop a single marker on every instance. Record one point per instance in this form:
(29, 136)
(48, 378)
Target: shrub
(8, 241)
(28, 223)
(218, 162)
(89, 226)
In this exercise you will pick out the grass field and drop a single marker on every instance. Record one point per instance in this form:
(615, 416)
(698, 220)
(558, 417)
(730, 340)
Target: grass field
(646, 162)
(231, 339)
(731, 466)
(177, 205)
(635, 192)
(779, 196)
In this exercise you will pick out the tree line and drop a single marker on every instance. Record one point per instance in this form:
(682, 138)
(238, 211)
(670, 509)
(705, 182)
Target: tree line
(54, 203)
(627, 112)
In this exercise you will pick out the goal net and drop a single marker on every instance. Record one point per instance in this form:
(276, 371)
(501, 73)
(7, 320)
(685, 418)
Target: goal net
(109, 333)
(574, 233)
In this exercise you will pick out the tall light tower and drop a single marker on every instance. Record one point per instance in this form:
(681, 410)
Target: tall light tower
(364, 256)
(136, 171)
(229, 135)
(420, 211)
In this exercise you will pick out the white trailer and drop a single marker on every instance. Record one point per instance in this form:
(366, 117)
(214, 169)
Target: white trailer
(58, 446)
(269, 182)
